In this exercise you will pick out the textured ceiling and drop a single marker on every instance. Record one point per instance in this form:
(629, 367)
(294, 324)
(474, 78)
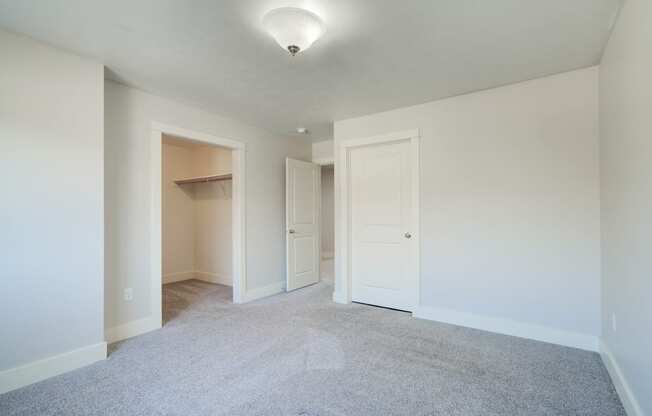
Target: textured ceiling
(376, 55)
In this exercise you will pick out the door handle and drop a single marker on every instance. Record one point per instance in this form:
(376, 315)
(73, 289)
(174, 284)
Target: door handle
(408, 235)
(291, 231)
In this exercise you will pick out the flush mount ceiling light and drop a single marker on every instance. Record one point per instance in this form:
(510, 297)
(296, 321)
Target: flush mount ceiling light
(294, 29)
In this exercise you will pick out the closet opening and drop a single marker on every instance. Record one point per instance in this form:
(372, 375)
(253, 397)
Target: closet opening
(197, 224)
(197, 235)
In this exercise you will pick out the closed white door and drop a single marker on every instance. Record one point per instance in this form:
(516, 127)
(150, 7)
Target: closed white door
(383, 238)
(303, 195)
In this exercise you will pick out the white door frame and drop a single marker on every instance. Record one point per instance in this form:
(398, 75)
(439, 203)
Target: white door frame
(324, 161)
(238, 151)
(342, 286)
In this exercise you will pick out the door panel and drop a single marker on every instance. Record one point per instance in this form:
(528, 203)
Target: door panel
(304, 253)
(303, 195)
(382, 266)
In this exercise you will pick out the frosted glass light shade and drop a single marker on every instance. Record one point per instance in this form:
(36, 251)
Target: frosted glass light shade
(294, 29)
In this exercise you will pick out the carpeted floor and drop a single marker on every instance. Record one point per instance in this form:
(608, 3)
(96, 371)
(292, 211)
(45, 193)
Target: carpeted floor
(301, 354)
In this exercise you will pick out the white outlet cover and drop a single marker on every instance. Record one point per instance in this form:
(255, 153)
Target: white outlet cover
(128, 294)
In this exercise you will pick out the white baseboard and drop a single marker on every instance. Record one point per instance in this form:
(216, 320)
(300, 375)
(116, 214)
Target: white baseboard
(35, 371)
(131, 329)
(178, 277)
(509, 327)
(214, 278)
(263, 292)
(199, 275)
(326, 255)
(620, 382)
(338, 298)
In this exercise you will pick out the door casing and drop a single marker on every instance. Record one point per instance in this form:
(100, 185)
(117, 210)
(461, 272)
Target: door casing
(238, 152)
(342, 285)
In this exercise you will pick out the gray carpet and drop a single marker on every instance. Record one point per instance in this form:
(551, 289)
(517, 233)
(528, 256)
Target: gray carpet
(301, 354)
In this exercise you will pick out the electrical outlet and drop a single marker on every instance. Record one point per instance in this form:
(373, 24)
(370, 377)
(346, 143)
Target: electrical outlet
(129, 294)
(613, 322)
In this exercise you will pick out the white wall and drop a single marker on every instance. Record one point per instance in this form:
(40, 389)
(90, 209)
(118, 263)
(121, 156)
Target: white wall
(129, 114)
(626, 167)
(51, 221)
(323, 151)
(327, 212)
(510, 226)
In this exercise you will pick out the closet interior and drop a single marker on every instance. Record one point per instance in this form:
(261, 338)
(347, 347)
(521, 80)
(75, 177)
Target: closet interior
(196, 217)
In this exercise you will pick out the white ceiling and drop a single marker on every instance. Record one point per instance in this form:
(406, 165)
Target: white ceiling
(376, 54)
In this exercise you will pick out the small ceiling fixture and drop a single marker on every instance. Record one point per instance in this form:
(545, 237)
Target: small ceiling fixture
(302, 130)
(294, 29)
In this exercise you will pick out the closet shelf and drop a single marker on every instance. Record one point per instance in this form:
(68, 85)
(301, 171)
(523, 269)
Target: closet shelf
(200, 179)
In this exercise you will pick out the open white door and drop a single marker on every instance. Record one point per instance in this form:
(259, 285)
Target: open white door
(302, 205)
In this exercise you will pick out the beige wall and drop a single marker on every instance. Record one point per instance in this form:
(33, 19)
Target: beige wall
(178, 214)
(626, 167)
(51, 216)
(327, 212)
(212, 160)
(213, 217)
(129, 116)
(197, 221)
(510, 210)
(322, 151)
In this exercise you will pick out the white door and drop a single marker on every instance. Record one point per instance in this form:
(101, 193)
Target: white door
(383, 237)
(302, 205)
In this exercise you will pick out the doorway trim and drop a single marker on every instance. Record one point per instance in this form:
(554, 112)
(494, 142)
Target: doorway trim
(238, 152)
(324, 161)
(342, 286)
